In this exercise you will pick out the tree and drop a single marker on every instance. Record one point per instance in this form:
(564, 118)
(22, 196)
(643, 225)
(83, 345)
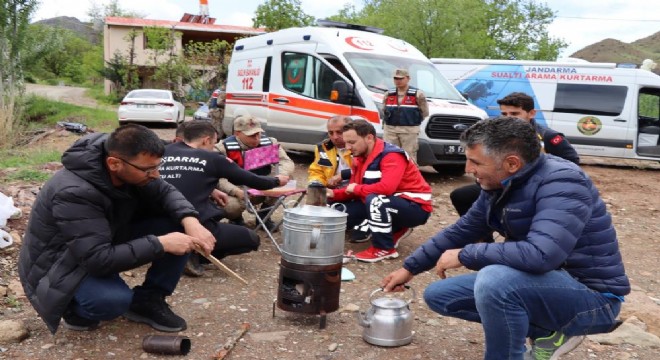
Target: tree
(97, 13)
(14, 20)
(469, 28)
(281, 14)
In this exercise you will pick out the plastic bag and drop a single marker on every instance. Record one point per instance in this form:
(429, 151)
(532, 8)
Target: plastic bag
(7, 209)
(5, 239)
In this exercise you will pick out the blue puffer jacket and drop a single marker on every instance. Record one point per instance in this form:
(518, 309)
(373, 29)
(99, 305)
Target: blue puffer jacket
(551, 216)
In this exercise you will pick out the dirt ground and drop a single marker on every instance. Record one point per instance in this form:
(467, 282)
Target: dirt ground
(216, 305)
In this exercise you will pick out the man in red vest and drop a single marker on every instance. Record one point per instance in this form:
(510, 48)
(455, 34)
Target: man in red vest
(386, 194)
(248, 134)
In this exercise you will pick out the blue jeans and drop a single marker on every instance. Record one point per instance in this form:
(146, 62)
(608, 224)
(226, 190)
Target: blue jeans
(512, 305)
(108, 297)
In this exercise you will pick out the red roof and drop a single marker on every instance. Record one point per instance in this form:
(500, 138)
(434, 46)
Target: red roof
(122, 21)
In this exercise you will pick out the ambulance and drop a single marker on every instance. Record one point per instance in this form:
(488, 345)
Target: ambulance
(297, 78)
(604, 109)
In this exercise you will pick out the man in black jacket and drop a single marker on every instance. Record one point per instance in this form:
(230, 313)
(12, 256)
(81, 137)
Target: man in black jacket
(518, 105)
(194, 169)
(83, 232)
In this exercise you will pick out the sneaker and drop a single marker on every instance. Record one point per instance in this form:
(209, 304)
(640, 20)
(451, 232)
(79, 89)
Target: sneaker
(357, 236)
(555, 345)
(373, 254)
(400, 235)
(193, 266)
(154, 311)
(73, 321)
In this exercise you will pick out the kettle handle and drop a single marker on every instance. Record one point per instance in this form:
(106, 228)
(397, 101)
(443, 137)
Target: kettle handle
(407, 287)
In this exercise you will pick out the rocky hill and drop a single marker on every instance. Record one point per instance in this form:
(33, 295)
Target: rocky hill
(612, 50)
(85, 30)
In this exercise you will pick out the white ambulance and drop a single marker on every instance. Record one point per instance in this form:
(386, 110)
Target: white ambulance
(603, 110)
(298, 78)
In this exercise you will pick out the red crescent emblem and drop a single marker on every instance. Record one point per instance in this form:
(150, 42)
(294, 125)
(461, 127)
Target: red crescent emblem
(359, 43)
(295, 79)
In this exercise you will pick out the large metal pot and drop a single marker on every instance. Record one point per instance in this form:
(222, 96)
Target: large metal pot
(313, 235)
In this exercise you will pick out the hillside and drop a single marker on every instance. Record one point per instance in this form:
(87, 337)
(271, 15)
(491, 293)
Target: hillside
(612, 50)
(84, 30)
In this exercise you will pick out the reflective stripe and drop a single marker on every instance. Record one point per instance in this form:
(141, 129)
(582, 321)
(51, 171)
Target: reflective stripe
(323, 155)
(423, 196)
(372, 174)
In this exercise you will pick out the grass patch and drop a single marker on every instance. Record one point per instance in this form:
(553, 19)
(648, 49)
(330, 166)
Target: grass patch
(41, 111)
(97, 92)
(28, 157)
(28, 175)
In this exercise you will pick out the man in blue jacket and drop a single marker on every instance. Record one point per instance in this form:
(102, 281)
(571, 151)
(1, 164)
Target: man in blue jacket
(557, 276)
(521, 106)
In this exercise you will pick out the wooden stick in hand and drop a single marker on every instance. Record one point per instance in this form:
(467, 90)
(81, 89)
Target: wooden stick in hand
(221, 266)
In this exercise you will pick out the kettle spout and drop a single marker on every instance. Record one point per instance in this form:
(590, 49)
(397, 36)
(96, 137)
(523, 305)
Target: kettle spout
(362, 319)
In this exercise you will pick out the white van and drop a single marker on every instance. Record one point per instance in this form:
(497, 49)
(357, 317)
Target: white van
(288, 77)
(603, 110)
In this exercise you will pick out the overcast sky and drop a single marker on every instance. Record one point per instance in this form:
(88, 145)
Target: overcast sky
(579, 23)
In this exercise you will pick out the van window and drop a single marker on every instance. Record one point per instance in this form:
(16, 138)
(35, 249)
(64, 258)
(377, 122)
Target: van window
(376, 71)
(307, 75)
(649, 108)
(605, 100)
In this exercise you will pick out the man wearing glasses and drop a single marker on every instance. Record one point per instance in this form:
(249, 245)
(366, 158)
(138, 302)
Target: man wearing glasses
(405, 109)
(84, 230)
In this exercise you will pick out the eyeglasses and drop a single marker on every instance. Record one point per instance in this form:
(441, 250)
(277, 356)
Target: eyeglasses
(148, 171)
(399, 78)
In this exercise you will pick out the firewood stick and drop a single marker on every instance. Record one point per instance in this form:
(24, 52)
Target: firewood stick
(229, 345)
(221, 266)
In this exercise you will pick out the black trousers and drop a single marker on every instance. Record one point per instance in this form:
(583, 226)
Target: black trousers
(463, 197)
(229, 239)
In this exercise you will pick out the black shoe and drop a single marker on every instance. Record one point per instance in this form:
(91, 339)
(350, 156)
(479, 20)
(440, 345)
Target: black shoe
(73, 321)
(271, 225)
(153, 310)
(357, 236)
(193, 267)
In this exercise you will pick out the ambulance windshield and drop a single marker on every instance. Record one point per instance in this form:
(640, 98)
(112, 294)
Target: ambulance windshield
(376, 71)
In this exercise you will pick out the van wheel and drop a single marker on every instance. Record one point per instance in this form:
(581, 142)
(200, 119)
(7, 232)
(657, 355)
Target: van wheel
(450, 170)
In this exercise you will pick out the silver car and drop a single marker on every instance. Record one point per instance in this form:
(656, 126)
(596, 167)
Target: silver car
(151, 105)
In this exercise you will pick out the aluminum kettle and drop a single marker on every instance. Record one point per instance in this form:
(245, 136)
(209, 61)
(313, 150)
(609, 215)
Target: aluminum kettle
(388, 322)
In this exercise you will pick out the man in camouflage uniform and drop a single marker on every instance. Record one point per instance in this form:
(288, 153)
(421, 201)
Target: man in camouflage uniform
(217, 108)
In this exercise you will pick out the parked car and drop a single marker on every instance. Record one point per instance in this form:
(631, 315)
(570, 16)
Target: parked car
(202, 112)
(151, 105)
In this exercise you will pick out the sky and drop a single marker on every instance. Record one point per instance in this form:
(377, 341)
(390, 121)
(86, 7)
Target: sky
(579, 23)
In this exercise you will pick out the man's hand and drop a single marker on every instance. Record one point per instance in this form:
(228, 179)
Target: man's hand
(177, 243)
(334, 181)
(202, 238)
(219, 197)
(329, 193)
(238, 193)
(350, 188)
(448, 260)
(396, 279)
(283, 179)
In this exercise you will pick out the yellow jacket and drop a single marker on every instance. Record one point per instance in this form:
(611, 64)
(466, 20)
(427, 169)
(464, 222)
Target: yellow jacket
(326, 161)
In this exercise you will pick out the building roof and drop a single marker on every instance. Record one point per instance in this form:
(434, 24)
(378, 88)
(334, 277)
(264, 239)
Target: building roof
(176, 25)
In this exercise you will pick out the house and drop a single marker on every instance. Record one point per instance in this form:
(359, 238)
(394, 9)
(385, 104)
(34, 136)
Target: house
(116, 30)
